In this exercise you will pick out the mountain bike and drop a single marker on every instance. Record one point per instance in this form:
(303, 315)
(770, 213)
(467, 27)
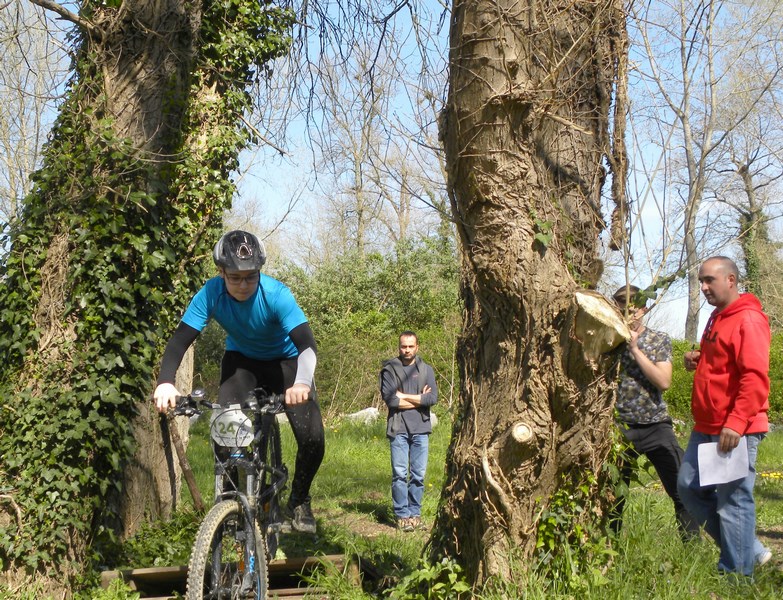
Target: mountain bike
(239, 534)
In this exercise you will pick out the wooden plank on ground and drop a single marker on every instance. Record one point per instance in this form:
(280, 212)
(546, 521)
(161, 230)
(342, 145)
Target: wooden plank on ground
(151, 575)
(167, 580)
(298, 594)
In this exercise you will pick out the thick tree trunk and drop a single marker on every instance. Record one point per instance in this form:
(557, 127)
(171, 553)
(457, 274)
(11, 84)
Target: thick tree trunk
(525, 130)
(753, 235)
(146, 62)
(132, 91)
(153, 478)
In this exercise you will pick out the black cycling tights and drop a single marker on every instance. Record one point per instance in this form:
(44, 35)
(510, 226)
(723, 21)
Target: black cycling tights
(240, 374)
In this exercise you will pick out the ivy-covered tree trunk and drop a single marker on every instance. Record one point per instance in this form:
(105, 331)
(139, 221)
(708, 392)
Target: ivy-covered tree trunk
(526, 130)
(113, 240)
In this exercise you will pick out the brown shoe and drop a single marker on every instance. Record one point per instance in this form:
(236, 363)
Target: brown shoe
(415, 522)
(404, 525)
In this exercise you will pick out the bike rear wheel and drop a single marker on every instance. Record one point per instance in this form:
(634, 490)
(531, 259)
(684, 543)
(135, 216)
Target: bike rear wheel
(229, 558)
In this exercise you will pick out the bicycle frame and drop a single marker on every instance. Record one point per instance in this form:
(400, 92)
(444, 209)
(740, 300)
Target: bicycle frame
(238, 535)
(264, 480)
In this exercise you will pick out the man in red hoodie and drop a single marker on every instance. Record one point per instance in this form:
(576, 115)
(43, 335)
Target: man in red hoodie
(729, 401)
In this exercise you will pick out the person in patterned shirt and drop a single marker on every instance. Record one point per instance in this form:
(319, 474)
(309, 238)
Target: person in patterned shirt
(645, 373)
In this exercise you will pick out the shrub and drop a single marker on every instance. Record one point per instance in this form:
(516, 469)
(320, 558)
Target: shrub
(678, 396)
(443, 580)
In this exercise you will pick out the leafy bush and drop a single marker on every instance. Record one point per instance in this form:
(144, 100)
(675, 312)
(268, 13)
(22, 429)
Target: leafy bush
(442, 580)
(776, 378)
(161, 543)
(117, 590)
(208, 352)
(572, 550)
(678, 396)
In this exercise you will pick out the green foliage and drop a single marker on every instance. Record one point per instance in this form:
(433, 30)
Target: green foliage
(618, 457)
(108, 250)
(357, 305)
(678, 396)
(161, 544)
(776, 378)
(439, 581)
(117, 590)
(411, 288)
(544, 231)
(571, 548)
(643, 297)
(31, 590)
(208, 352)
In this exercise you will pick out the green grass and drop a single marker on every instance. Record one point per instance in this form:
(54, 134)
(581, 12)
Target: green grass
(351, 499)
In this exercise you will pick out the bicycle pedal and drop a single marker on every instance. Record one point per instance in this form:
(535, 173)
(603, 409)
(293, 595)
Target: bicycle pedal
(280, 527)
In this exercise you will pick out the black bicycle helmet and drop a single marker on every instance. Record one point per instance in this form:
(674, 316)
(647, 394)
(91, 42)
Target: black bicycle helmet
(239, 251)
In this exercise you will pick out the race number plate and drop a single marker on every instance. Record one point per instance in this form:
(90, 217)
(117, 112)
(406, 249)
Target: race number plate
(231, 428)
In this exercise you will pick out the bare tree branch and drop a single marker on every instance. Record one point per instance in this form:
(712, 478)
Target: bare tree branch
(66, 14)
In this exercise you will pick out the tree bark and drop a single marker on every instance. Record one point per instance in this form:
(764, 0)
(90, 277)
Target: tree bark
(153, 480)
(525, 131)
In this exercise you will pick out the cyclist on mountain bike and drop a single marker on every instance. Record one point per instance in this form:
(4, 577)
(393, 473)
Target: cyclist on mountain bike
(269, 344)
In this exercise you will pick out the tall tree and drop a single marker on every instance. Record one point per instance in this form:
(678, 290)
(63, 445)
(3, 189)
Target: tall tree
(688, 55)
(750, 163)
(526, 129)
(31, 67)
(377, 166)
(112, 238)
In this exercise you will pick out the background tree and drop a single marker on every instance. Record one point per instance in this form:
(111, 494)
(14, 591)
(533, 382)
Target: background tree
(750, 163)
(370, 115)
(111, 241)
(31, 67)
(751, 169)
(526, 129)
(690, 58)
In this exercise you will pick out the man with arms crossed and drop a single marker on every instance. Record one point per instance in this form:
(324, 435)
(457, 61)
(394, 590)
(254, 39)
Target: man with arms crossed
(729, 401)
(408, 388)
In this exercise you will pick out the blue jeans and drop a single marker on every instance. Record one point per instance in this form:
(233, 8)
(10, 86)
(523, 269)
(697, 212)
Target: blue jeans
(727, 511)
(409, 464)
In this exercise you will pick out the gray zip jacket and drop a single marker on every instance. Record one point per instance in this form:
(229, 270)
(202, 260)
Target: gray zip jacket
(395, 377)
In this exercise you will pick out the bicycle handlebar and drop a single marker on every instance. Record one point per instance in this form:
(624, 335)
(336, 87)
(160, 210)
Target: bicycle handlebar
(258, 400)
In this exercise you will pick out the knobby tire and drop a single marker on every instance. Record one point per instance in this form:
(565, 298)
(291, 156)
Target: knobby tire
(222, 539)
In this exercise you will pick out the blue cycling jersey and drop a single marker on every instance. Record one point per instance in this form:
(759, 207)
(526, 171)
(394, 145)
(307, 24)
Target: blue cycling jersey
(257, 327)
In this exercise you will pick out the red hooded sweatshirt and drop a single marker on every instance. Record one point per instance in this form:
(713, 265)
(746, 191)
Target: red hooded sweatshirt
(731, 384)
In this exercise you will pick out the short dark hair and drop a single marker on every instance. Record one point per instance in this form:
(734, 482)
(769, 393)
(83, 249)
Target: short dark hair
(409, 333)
(626, 294)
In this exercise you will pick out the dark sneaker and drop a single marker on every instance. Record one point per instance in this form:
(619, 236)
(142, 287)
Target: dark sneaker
(302, 518)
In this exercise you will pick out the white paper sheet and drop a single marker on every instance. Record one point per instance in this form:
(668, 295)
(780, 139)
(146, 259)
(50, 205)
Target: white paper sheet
(718, 467)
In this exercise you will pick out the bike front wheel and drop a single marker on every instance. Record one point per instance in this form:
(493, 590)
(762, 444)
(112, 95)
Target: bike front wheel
(229, 559)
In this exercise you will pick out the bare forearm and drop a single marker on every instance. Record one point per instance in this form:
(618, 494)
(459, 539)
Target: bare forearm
(413, 399)
(406, 404)
(659, 374)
